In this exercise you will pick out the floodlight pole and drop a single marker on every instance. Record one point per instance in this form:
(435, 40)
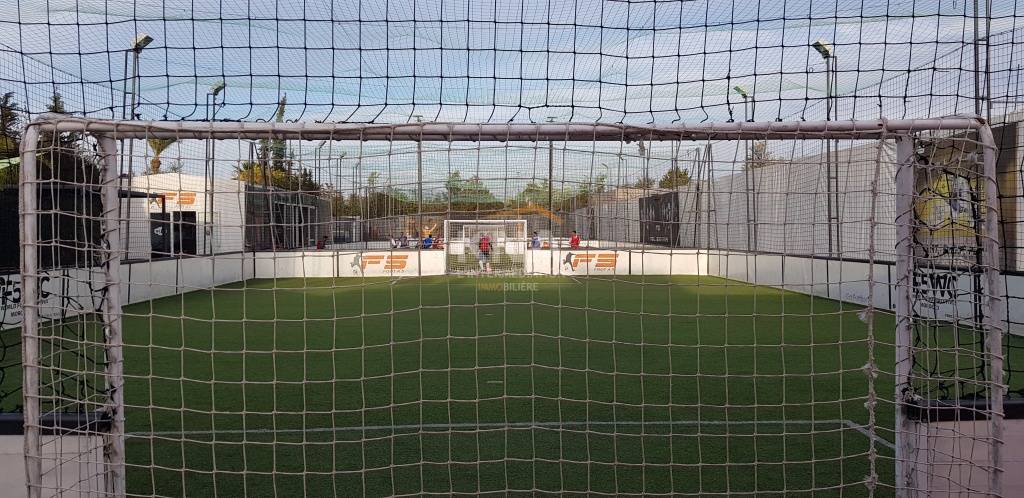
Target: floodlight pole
(130, 157)
(834, 162)
(551, 192)
(828, 152)
(141, 41)
(317, 159)
(832, 190)
(748, 176)
(419, 183)
(211, 151)
(977, 62)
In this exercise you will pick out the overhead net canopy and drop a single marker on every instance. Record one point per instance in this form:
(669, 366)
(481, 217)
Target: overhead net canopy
(467, 61)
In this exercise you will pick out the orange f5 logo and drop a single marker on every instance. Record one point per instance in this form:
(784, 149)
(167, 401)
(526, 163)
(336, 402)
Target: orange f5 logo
(606, 260)
(371, 259)
(390, 262)
(396, 262)
(182, 198)
(601, 260)
(581, 259)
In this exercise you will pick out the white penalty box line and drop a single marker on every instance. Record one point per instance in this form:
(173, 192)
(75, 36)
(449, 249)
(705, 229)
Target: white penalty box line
(443, 427)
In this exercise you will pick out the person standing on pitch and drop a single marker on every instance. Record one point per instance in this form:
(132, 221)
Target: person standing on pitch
(484, 253)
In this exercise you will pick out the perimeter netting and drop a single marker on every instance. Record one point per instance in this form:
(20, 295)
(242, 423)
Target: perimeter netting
(745, 309)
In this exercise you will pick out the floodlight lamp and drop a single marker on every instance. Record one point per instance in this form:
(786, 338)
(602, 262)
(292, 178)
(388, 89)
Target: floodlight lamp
(823, 48)
(740, 90)
(142, 40)
(217, 87)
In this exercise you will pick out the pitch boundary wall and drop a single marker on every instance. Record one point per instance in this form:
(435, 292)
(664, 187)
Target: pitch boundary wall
(72, 291)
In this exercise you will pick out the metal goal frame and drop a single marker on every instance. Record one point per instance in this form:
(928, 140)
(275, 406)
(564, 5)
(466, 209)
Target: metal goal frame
(107, 133)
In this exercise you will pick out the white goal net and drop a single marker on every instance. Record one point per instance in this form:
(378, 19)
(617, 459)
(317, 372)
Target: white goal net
(799, 308)
(506, 242)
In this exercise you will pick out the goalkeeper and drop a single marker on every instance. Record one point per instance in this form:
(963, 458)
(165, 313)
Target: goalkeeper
(483, 254)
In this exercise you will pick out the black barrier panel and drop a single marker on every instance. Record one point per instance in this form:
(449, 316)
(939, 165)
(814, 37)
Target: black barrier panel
(160, 234)
(659, 219)
(10, 255)
(185, 227)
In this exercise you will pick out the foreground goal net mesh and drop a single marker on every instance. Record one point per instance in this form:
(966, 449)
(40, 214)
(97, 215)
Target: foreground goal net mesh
(744, 309)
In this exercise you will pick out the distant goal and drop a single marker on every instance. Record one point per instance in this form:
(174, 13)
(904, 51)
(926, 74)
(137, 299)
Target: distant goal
(507, 238)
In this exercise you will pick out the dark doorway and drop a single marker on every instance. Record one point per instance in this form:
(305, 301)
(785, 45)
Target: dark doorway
(160, 234)
(184, 232)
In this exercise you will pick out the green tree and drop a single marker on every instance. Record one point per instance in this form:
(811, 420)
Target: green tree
(644, 183)
(10, 126)
(275, 164)
(63, 140)
(64, 156)
(475, 192)
(278, 147)
(535, 193)
(303, 181)
(256, 173)
(759, 156)
(674, 178)
(452, 187)
(159, 145)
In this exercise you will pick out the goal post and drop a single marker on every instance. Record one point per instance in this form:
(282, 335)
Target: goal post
(930, 212)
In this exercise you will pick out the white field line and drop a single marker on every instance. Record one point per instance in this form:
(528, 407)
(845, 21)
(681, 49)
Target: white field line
(523, 425)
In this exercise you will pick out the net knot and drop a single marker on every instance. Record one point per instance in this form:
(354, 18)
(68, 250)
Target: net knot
(870, 369)
(871, 481)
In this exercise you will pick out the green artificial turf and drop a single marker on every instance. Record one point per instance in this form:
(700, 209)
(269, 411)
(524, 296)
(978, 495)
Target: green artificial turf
(476, 385)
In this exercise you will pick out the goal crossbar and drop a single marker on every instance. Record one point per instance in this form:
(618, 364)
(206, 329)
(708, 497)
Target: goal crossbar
(775, 130)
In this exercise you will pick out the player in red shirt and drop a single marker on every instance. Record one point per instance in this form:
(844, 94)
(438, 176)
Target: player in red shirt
(484, 253)
(574, 241)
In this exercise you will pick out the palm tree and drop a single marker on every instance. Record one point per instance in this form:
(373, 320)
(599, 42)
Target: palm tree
(159, 145)
(10, 120)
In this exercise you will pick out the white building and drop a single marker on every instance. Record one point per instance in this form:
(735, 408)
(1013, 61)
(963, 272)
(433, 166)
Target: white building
(184, 214)
(172, 214)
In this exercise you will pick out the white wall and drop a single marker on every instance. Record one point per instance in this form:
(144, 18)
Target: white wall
(849, 281)
(135, 238)
(346, 263)
(316, 264)
(160, 278)
(70, 467)
(953, 458)
(68, 292)
(787, 203)
(843, 280)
